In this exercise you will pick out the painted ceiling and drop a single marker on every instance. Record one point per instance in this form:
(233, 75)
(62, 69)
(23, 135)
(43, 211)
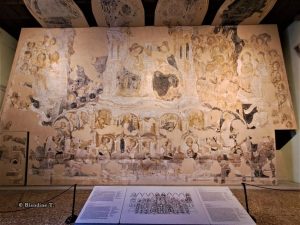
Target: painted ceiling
(16, 14)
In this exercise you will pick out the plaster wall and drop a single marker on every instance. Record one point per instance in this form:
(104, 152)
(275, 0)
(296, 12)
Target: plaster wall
(7, 51)
(289, 157)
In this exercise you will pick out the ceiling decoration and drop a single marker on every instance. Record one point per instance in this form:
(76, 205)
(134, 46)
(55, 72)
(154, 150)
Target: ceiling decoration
(15, 15)
(118, 13)
(234, 12)
(180, 13)
(56, 13)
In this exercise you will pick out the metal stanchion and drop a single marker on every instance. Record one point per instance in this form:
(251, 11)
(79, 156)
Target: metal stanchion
(73, 217)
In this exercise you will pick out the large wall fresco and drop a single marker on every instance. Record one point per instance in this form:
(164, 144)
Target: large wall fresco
(149, 105)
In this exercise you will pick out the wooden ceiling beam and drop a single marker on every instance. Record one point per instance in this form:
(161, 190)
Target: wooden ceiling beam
(11, 2)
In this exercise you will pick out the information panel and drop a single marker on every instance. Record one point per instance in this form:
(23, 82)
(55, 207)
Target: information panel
(222, 207)
(104, 206)
(163, 205)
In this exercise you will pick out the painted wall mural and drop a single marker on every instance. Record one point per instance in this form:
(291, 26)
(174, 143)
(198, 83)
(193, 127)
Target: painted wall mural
(244, 12)
(125, 106)
(13, 147)
(56, 13)
(180, 13)
(118, 13)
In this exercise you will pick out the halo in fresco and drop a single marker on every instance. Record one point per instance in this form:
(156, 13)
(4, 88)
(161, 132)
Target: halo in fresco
(56, 13)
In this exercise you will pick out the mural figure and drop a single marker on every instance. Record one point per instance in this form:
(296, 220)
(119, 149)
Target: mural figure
(130, 124)
(105, 146)
(196, 120)
(103, 119)
(128, 83)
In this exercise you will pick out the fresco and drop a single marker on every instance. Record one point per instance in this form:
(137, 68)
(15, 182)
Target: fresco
(13, 147)
(196, 105)
(244, 12)
(56, 13)
(118, 13)
(180, 13)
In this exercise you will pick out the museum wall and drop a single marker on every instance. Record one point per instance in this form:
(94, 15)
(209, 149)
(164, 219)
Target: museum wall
(288, 159)
(145, 105)
(7, 51)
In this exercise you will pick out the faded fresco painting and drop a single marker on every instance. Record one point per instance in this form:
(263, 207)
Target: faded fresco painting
(12, 157)
(180, 13)
(244, 12)
(56, 13)
(149, 105)
(118, 13)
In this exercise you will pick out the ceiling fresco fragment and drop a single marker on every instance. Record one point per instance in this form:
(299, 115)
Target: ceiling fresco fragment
(180, 13)
(118, 13)
(234, 12)
(56, 13)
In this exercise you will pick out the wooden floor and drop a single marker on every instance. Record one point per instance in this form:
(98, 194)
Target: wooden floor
(269, 207)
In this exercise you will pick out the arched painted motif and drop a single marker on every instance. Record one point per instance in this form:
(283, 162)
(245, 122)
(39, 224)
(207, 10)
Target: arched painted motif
(118, 13)
(57, 13)
(180, 13)
(234, 12)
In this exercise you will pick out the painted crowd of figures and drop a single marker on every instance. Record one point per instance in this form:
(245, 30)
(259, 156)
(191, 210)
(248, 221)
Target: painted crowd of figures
(147, 143)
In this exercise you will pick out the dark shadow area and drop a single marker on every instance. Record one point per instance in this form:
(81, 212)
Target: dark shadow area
(149, 8)
(282, 137)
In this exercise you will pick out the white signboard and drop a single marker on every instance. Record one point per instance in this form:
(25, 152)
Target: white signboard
(163, 205)
(104, 206)
(222, 207)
